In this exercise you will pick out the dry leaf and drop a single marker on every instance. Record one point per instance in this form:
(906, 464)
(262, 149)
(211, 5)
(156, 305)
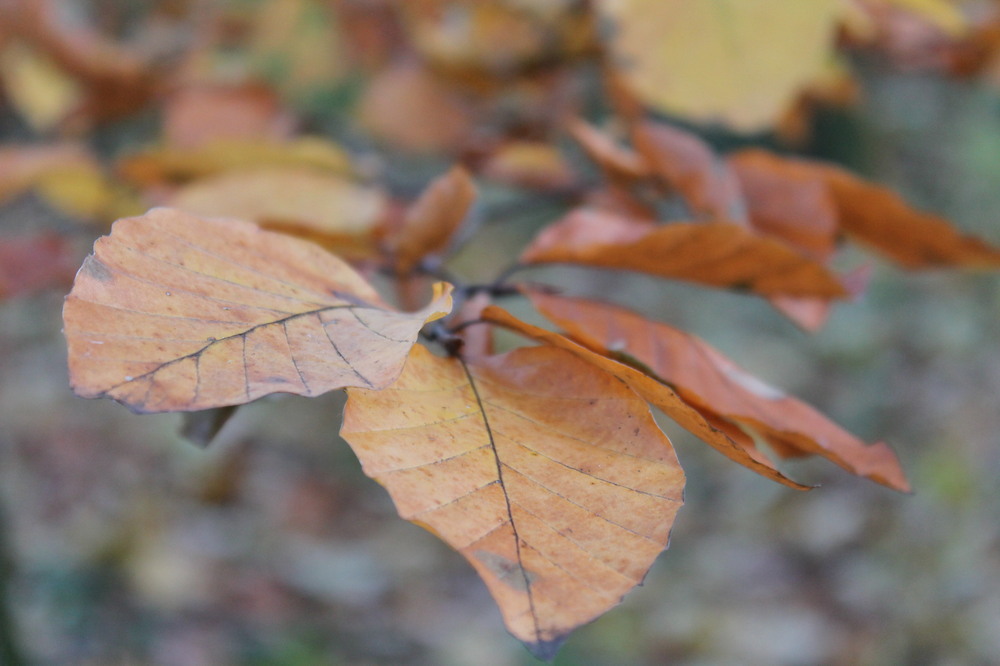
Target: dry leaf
(436, 119)
(431, 223)
(880, 218)
(197, 115)
(707, 379)
(177, 313)
(687, 165)
(787, 202)
(529, 164)
(166, 165)
(730, 61)
(549, 475)
(871, 214)
(717, 253)
(499, 37)
(616, 160)
(326, 208)
(735, 446)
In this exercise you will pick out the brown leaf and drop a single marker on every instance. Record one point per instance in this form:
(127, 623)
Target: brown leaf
(880, 218)
(811, 314)
(31, 263)
(616, 160)
(433, 219)
(688, 165)
(786, 202)
(177, 313)
(716, 253)
(713, 383)
(734, 445)
(549, 475)
(870, 213)
(436, 119)
(199, 114)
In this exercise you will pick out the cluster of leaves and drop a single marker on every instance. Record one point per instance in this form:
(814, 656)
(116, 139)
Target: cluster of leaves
(542, 465)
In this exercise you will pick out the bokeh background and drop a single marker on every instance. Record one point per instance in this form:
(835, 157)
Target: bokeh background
(122, 543)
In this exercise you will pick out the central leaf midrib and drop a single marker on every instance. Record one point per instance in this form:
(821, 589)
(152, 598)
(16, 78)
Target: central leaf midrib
(506, 498)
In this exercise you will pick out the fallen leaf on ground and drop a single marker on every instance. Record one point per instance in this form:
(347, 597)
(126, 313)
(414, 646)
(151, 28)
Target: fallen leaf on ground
(549, 475)
(713, 253)
(707, 379)
(177, 313)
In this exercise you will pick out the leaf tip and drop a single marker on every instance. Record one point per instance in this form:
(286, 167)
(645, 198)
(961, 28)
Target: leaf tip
(545, 650)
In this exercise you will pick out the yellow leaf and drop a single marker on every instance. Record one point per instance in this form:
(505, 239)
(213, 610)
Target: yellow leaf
(737, 62)
(286, 196)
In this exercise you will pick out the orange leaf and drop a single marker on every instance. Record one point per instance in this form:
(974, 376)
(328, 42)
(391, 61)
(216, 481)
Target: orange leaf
(736, 447)
(713, 383)
(717, 253)
(549, 475)
(872, 214)
(176, 313)
(685, 163)
(881, 219)
(433, 220)
(616, 160)
(790, 203)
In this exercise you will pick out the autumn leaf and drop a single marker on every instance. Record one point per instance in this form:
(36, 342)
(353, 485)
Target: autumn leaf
(712, 382)
(334, 211)
(791, 204)
(729, 61)
(197, 115)
(732, 444)
(177, 313)
(436, 118)
(874, 215)
(687, 165)
(168, 165)
(431, 223)
(713, 253)
(616, 160)
(529, 164)
(547, 474)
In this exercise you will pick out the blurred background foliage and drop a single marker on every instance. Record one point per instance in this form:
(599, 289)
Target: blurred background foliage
(124, 544)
